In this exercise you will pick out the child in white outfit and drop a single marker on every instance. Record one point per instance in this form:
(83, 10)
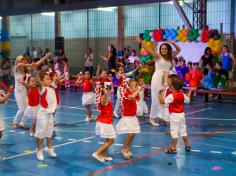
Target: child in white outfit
(45, 121)
(142, 108)
(2, 101)
(176, 101)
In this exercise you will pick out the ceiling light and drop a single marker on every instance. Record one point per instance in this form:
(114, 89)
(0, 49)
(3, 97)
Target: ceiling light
(106, 9)
(48, 13)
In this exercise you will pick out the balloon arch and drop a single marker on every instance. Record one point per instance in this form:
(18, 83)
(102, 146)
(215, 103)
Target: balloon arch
(209, 36)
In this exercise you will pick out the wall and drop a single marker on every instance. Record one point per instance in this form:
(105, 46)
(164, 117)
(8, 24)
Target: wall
(97, 29)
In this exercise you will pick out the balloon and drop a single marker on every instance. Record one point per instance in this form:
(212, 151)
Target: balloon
(144, 59)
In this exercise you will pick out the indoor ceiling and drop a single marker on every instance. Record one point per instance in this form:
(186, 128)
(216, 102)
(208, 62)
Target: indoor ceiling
(17, 7)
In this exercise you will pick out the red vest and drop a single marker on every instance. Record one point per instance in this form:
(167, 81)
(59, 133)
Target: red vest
(102, 80)
(43, 100)
(177, 106)
(105, 115)
(130, 106)
(167, 91)
(33, 97)
(121, 79)
(87, 86)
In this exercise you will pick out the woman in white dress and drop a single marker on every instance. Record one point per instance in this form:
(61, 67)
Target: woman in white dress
(163, 60)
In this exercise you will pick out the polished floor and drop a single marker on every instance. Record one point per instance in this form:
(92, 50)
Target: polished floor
(211, 129)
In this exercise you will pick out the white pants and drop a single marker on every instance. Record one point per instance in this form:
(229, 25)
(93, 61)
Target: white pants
(118, 102)
(166, 116)
(141, 108)
(44, 125)
(22, 103)
(2, 124)
(177, 125)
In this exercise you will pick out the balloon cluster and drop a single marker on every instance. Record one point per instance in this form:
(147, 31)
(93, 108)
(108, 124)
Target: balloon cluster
(170, 34)
(6, 47)
(147, 35)
(182, 35)
(204, 35)
(158, 35)
(212, 37)
(145, 56)
(193, 35)
(215, 45)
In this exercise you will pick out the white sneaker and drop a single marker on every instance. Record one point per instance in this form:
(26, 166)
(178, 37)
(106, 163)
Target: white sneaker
(87, 119)
(116, 115)
(153, 122)
(107, 158)
(99, 158)
(51, 152)
(40, 156)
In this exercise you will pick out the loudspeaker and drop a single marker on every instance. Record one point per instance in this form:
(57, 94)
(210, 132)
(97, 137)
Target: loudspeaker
(59, 43)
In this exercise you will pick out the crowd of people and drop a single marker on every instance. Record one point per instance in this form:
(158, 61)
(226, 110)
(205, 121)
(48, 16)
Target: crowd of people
(36, 92)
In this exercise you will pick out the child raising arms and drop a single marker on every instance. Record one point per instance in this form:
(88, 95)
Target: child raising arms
(104, 126)
(88, 97)
(32, 109)
(129, 124)
(45, 120)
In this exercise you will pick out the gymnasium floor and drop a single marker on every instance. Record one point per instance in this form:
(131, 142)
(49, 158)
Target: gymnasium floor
(211, 127)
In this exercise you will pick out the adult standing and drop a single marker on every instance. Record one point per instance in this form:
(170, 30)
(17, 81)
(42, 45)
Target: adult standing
(88, 57)
(228, 64)
(207, 58)
(163, 60)
(111, 58)
(6, 70)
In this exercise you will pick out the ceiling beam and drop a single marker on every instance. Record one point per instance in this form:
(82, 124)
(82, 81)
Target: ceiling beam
(76, 6)
(182, 14)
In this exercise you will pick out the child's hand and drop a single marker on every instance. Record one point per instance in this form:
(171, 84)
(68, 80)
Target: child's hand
(170, 41)
(55, 78)
(141, 88)
(49, 55)
(113, 70)
(10, 89)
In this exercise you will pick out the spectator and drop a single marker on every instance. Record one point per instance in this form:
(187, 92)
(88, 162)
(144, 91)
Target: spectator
(222, 76)
(182, 70)
(228, 64)
(208, 80)
(133, 57)
(6, 70)
(111, 58)
(88, 57)
(207, 58)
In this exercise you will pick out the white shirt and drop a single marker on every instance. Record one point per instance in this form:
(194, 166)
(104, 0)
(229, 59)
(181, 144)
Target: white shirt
(19, 80)
(131, 59)
(88, 60)
(51, 100)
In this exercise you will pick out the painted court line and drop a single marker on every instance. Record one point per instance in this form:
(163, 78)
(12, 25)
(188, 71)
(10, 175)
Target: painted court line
(148, 155)
(213, 119)
(216, 152)
(205, 109)
(56, 146)
(217, 146)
